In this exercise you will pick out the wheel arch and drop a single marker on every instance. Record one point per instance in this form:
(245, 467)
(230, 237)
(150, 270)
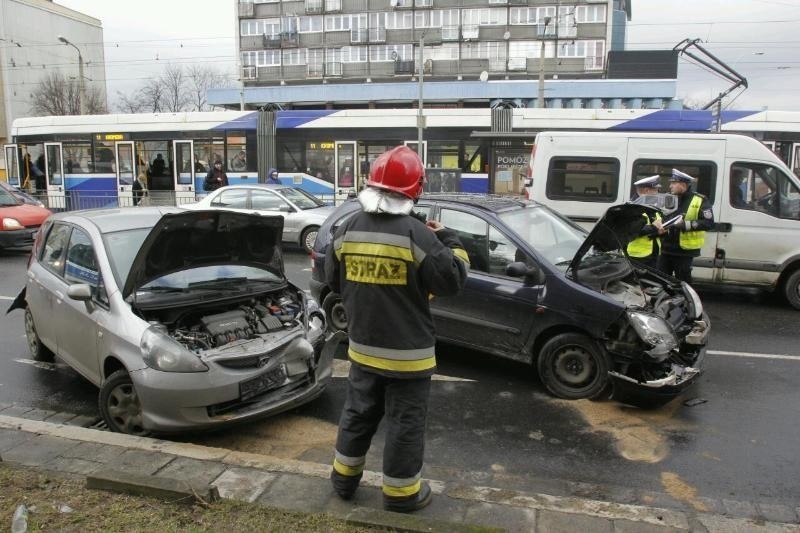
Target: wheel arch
(787, 271)
(111, 364)
(549, 333)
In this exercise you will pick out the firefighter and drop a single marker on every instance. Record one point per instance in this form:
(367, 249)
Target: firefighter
(386, 264)
(687, 232)
(646, 247)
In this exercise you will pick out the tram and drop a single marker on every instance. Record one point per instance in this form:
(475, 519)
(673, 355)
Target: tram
(92, 161)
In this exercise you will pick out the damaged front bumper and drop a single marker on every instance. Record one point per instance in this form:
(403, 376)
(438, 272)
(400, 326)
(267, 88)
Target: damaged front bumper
(174, 402)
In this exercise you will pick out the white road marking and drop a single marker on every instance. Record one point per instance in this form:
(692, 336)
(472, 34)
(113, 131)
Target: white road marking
(755, 355)
(42, 365)
(341, 369)
(6, 298)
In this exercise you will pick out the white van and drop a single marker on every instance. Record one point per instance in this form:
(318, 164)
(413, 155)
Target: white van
(756, 197)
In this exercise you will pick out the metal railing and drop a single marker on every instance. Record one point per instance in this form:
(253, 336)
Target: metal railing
(77, 200)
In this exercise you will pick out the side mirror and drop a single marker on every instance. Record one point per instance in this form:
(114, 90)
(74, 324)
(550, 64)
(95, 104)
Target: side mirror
(518, 269)
(286, 208)
(80, 291)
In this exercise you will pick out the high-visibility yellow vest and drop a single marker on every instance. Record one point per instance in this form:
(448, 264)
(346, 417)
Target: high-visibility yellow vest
(693, 240)
(642, 247)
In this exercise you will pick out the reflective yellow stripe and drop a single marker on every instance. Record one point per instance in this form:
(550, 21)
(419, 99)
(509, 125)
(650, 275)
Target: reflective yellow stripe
(461, 254)
(643, 246)
(399, 492)
(416, 365)
(377, 270)
(347, 470)
(382, 250)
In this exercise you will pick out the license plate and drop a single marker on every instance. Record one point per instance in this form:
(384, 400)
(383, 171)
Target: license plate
(259, 384)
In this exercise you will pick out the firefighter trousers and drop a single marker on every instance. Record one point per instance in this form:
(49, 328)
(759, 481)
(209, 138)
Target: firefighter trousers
(404, 402)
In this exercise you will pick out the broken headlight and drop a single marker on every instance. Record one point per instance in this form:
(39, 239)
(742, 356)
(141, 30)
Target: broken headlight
(696, 310)
(161, 352)
(655, 332)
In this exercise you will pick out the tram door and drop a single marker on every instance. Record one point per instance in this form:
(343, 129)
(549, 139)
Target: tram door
(184, 172)
(126, 172)
(12, 165)
(794, 164)
(345, 170)
(54, 173)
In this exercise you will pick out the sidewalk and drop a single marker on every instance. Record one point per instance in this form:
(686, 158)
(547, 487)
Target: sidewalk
(117, 459)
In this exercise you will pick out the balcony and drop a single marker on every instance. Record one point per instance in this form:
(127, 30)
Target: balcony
(359, 35)
(497, 65)
(271, 41)
(316, 70)
(401, 4)
(377, 35)
(449, 33)
(249, 73)
(593, 63)
(245, 9)
(469, 31)
(517, 63)
(404, 67)
(545, 30)
(333, 68)
(290, 39)
(314, 7)
(333, 6)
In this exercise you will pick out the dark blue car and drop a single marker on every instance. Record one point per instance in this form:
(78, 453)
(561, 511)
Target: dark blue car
(542, 291)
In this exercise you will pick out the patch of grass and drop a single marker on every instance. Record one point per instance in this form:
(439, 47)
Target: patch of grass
(45, 493)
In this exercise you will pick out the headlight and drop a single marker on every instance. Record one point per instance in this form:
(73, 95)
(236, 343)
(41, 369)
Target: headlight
(161, 352)
(655, 332)
(694, 298)
(11, 224)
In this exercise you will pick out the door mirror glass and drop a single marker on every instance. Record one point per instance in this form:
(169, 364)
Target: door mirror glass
(286, 208)
(518, 269)
(81, 292)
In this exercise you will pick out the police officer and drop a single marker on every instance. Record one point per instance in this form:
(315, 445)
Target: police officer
(646, 247)
(685, 237)
(386, 264)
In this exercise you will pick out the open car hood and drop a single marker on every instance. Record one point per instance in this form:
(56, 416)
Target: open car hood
(191, 239)
(618, 226)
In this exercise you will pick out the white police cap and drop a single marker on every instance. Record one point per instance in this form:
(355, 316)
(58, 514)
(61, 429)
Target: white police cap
(677, 175)
(651, 181)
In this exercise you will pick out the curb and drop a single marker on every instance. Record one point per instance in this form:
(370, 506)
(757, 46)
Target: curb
(470, 494)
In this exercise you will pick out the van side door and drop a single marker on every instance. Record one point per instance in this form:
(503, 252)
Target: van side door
(761, 221)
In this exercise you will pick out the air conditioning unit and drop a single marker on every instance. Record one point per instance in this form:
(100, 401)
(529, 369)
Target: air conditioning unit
(249, 73)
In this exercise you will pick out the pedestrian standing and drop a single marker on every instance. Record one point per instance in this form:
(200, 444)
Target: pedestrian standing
(386, 264)
(215, 178)
(272, 176)
(686, 233)
(647, 246)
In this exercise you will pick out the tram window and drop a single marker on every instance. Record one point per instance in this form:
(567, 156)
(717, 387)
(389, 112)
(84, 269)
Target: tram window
(443, 154)
(705, 172)
(290, 157)
(77, 157)
(236, 156)
(206, 151)
(103, 156)
(320, 159)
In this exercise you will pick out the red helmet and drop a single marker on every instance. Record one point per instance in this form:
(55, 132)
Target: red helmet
(399, 170)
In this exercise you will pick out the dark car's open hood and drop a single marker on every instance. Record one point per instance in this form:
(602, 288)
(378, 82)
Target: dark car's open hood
(620, 225)
(192, 239)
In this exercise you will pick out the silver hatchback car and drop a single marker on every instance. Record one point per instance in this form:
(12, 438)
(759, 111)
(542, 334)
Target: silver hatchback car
(183, 319)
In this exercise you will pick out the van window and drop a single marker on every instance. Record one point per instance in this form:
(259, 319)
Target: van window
(705, 172)
(764, 188)
(583, 179)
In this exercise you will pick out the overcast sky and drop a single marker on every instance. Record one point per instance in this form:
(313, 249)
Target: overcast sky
(758, 38)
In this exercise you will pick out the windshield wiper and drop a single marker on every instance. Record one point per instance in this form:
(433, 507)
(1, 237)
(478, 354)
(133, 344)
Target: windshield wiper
(162, 288)
(219, 282)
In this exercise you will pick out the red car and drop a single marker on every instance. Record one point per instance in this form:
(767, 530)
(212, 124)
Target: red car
(19, 221)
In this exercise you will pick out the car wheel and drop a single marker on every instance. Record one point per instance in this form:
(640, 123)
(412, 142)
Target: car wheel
(308, 237)
(334, 310)
(573, 367)
(39, 351)
(791, 289)
(120, 406)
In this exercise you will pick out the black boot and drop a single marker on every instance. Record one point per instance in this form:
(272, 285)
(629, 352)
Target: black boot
(410, 503)
(345, 486)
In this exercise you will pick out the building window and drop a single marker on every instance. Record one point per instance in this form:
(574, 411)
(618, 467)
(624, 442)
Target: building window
(585, 179)
(337, 23)
(593, 13)
(523, 15)
(294, 57)
(266, 1)
(268, 27)
(261, 58)
(353, 54)
(400, 20)
(391, 52)
(483, 50)
(311, 24)
(484, 17)
(333, 5)
(444, 52)
(594, 49)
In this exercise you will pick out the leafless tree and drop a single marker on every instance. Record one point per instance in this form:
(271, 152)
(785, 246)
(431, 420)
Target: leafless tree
(175, 84)
(129, 103)
(58, 95)
(151, 95)
(200, 80)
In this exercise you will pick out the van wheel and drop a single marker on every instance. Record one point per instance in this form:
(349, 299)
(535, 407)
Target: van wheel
(38, 351)
(308, 237)
(334, 310)
(573, 367)
(791, 289)
(120, 406)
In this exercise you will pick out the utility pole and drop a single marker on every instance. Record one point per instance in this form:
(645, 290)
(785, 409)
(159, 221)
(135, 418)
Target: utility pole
(81, 77)
(420, 116)
(540, 100)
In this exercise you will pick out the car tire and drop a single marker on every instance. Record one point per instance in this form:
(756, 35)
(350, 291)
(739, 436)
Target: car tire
(791, 289)
(38, 351)
(573, 367)
(308, 237)
(335, 313)
(120, 406)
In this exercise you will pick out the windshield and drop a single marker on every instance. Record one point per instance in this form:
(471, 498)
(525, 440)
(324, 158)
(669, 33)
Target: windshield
(212, 277)
(7, 199)
(122, 247)
(301, 198)
(554, 237)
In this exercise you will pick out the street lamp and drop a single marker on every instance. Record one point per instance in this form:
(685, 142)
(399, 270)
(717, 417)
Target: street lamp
(81, 79)
(420, 116)
(540, 102)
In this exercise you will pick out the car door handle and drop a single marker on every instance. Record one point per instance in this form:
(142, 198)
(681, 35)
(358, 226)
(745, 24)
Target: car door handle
(59, 296)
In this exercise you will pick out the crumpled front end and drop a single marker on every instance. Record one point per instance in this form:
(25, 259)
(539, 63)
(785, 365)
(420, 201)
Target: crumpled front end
(658, 345)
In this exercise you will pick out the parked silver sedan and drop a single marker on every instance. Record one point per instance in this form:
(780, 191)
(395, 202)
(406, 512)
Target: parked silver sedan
(183, 319)
(302, 212)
